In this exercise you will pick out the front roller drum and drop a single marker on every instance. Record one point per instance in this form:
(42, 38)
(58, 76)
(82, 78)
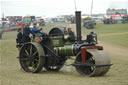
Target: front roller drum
(97, 63)
(31, 57)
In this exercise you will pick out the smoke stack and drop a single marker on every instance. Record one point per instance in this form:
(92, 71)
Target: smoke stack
(78, 25)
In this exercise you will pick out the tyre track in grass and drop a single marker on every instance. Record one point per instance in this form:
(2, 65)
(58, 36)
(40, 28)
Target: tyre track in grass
(119, 51)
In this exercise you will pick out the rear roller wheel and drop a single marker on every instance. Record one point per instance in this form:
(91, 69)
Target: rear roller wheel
(98, 63)
(32, 57)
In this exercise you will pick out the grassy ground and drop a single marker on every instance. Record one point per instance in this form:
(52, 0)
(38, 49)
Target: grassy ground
(113, 34)
(112, 37)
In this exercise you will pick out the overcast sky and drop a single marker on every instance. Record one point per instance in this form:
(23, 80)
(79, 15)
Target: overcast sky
(57, 7)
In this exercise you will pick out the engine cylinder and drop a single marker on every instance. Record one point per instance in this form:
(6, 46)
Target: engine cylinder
(67, 50)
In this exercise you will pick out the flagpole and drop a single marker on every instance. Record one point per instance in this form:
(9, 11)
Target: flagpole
(91, 7)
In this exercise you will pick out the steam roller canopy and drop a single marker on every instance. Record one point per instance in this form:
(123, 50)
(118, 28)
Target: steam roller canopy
(99, 63)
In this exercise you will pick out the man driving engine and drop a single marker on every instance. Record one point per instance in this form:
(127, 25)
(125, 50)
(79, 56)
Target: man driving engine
(35, 30)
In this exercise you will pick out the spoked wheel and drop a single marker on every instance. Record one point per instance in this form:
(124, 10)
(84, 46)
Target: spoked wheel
(97, 63)
(32, 57)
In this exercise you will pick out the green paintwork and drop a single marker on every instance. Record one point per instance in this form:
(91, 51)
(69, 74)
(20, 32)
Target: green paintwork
(66, 50)
(57, 41)
(61, 45)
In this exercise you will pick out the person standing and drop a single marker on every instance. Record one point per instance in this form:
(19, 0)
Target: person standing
(26, 33)
(19, 35)
(71, 34)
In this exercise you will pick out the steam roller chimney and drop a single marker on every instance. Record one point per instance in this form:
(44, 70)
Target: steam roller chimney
(78, 25)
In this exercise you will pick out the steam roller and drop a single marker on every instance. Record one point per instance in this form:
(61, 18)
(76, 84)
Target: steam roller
(50, 51)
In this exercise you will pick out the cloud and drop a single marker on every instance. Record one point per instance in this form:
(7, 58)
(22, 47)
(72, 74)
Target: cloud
(57, 7)
(118, 4)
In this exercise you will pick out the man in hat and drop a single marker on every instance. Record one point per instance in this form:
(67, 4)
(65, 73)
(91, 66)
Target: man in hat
(26, 33)
(35, 30)
(71, 34)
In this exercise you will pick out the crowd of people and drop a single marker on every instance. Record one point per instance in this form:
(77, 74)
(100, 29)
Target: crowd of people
(24, 33)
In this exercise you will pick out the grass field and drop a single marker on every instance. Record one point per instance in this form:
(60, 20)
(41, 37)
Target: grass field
(114, 38)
